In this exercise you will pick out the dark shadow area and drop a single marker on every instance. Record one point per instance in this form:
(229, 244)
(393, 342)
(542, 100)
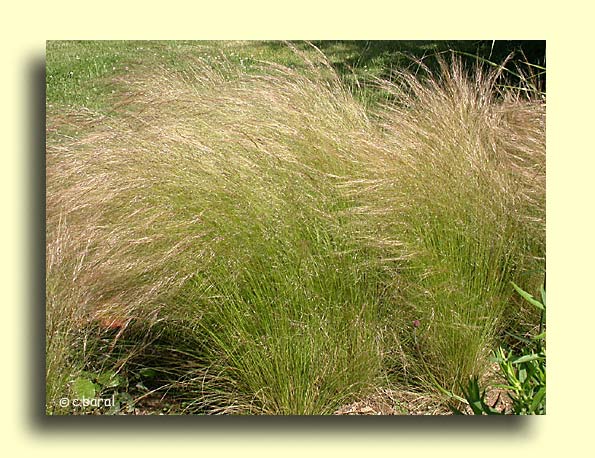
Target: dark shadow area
(382, 57)
(353, 54)
(35, 144)
(316, 426)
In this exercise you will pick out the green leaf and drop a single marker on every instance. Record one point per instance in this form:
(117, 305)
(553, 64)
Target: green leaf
(499, 355)
(519, 338)
(476, 399)
(527, 358)
(522, 375)
(477, 407)
(537, 400)
(84, 388)
(147, 372)
(528, 297)
(539, 336)
(87, 374)
(109, 379)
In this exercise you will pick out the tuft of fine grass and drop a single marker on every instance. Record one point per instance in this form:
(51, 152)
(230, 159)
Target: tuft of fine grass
(217, 207)
(459, 182)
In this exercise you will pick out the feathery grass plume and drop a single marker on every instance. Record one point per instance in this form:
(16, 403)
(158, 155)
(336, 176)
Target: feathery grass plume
(460, 181)
(213, 202)
(65, 343)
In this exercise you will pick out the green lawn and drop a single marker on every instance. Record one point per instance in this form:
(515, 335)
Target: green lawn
(81, 73)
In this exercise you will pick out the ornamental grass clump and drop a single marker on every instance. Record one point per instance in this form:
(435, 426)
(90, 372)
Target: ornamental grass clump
(282, 239)
(459, 181)
(212, 208)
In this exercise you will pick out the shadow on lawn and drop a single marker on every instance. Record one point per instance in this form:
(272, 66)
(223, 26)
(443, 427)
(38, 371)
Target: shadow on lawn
(381, 57)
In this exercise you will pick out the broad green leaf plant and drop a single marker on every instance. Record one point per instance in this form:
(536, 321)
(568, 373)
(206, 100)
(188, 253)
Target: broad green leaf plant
(524, 375)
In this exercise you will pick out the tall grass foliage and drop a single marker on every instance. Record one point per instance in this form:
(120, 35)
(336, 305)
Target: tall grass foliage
(283, 239)
(460, 182)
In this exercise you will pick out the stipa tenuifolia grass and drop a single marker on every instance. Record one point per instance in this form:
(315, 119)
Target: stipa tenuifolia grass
(284, 240)
(459, 179)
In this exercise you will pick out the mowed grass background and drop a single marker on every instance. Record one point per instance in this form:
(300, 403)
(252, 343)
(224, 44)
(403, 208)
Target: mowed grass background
(271, 228)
